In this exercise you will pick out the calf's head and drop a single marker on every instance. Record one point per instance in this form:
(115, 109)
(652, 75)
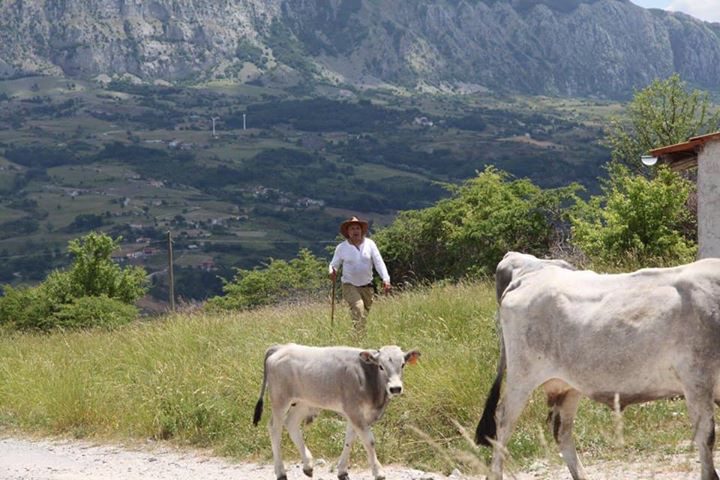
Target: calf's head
(390, 361)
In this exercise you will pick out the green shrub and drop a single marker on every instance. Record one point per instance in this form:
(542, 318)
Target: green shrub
(94, 291)
(302, 277)
(470, 232)
(93, 272)
(26, 308)
(636, 221)
(99, 311)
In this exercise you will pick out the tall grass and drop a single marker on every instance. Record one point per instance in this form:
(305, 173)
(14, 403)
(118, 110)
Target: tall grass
(193, 379)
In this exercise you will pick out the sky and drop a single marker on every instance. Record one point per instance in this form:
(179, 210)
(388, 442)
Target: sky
(708, 10)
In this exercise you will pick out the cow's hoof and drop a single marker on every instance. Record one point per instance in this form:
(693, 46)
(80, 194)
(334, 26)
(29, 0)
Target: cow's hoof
(308, 472)
(282, 477)
(343, 476)
(380, 477)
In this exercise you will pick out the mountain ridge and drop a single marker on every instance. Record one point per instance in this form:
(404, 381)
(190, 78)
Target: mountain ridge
(603, 48)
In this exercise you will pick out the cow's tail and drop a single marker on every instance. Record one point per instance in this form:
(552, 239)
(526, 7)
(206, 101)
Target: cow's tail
(487, 427)
(259, 404)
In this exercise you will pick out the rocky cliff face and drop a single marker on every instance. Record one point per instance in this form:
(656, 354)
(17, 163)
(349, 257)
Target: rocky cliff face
(557, 47)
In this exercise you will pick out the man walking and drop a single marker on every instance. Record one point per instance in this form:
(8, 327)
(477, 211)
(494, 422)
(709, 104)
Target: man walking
(357, 255)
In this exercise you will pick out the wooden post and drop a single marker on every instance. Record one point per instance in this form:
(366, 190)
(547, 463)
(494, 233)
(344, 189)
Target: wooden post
(171, 276)
(332, 305)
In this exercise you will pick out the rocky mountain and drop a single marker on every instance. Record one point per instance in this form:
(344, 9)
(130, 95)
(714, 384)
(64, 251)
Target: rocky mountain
(600, 48)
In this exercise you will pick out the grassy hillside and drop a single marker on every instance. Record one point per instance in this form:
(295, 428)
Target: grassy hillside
(193, 379)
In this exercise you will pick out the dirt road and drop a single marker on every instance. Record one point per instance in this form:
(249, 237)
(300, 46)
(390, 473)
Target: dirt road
(23, 459)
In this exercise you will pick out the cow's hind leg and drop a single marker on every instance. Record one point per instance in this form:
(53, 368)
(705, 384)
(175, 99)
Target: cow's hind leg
(342, 466)
(297, 413)
(564, 406)
(275, 427)
(700, 409)
(516, 395)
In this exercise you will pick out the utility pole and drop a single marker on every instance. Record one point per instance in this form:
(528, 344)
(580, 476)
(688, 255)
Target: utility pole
(171, 276)
(244, 125)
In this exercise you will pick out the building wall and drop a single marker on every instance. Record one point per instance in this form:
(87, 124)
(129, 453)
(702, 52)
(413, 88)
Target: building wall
(708, 185)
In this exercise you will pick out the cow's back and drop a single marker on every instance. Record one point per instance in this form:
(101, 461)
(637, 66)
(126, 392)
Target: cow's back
(586, 327)
(516, 264)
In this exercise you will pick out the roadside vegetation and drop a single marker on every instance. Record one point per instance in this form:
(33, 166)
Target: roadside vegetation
(193, 379)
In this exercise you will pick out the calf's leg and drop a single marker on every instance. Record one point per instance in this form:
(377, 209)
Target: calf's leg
(295, 417)
(342, 466)
(368, 440)
(275, 427)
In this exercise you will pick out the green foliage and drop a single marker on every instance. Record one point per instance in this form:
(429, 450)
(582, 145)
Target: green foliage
(664, 113)
(469, 233)
(93, 273)
(94, 311)
(26, 308)
(302, 277)
(636, 219)
(93, 292)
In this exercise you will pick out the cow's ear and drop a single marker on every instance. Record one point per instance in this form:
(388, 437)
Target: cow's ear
(412, 356)
(368, 357)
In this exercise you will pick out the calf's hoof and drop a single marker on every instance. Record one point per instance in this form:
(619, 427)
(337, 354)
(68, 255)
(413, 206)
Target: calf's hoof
(308, 471)
(343, 476)
(380, 477)
(282, 477)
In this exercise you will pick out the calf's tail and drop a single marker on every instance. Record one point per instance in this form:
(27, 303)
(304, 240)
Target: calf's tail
(259, 404)
(487, 427)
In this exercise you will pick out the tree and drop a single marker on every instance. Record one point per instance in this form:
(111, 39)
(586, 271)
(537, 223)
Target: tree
(637, 221)
(94, 291)
(468, 233)
(93, 273)
(664, 113)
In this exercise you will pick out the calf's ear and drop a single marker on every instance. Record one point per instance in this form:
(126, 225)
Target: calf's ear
(412, 356)
(369, 357)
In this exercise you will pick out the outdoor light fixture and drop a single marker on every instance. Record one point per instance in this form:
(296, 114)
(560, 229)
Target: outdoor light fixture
(648, 160)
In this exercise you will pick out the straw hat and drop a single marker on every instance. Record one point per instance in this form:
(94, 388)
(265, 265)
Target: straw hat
(346, 224)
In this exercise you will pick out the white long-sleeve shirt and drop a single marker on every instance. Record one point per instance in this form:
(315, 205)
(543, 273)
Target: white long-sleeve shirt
(357, 262)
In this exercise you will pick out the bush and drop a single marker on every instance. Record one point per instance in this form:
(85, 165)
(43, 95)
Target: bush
(302, 277)
(26, 308)
(94, 291)
(100, 311)
(636, 221)
(470, 232)
(93, 273)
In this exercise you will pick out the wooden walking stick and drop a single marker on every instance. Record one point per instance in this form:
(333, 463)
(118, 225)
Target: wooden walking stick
(332, 305)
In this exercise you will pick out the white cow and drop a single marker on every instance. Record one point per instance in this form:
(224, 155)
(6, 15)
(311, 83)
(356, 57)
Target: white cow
(356, 383)
(626, 338)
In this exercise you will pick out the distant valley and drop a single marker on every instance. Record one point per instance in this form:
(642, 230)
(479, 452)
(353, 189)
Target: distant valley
(278, 175)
